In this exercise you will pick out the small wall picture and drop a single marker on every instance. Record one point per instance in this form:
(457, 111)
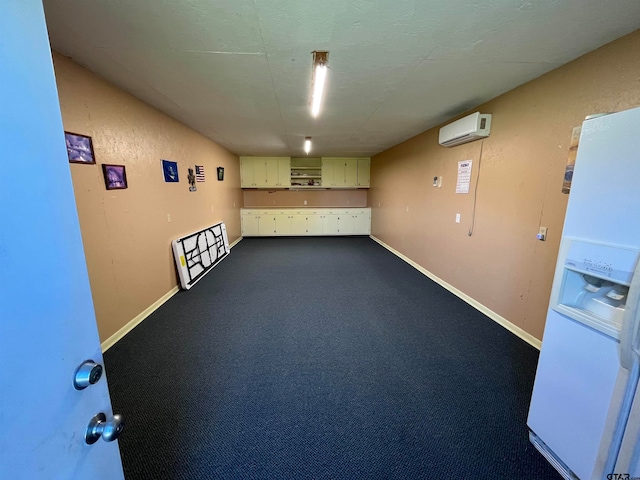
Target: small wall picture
(192, 180)
(170, 170)
(79, 148)
(199, 173)
(220, 173)
(115, 176)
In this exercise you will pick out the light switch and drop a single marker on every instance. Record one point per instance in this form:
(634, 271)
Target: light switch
(457, 218)
(542, 234)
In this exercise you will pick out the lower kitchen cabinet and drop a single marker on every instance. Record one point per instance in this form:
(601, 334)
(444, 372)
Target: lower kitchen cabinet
(258, 223)
(306, 222)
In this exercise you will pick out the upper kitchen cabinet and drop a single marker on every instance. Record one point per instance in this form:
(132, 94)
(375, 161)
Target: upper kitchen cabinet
(345, 172)
(364, 172)
(265, 172)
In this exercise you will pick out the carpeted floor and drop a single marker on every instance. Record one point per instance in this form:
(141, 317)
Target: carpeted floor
(322, 358)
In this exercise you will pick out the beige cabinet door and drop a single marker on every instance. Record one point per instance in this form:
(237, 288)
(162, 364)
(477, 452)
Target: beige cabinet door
(364, 172)
(329, 224)
(284, 172)
(247, 174)
(267, 225)
(260, 172)
(345, 223)
(250, 225)
(362, 223)
(278, 171)
(272, 172)
(299, 224)
(350, 172)
(314, 223)
(282, 224)
(329, 172)
(339, 172)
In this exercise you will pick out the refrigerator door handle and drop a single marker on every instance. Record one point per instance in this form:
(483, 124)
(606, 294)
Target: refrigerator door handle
(630, 323)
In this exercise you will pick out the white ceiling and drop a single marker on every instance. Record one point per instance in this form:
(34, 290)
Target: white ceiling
(239, 71)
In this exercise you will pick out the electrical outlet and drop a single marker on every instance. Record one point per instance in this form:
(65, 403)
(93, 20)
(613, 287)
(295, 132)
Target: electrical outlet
(407, 208)
(305, 202)
(168, 218)
(457, 218)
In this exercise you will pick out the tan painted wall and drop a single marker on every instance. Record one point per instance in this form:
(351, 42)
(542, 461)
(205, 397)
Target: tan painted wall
(126, 236)
(314, 198)
(501, 265)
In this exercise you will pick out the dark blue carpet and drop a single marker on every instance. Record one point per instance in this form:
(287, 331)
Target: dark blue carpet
(322, 358)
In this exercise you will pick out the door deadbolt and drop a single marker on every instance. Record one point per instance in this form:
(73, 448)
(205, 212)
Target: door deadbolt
(99, 426)
(87, 374)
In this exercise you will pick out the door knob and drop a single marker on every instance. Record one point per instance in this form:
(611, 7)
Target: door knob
(99, 426)
(87, 374)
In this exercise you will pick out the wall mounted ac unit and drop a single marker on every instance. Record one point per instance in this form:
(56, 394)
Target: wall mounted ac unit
(467, 129)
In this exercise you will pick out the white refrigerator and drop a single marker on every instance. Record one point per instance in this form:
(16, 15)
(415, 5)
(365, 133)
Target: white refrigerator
(585, 407)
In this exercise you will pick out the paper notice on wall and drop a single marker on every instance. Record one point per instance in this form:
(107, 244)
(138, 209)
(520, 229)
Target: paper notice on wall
(464, 176)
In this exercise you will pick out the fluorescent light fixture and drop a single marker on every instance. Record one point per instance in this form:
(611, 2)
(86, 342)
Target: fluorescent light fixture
(319, 77)
(307, 145)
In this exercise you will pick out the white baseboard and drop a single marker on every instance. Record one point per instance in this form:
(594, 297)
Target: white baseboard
(527, 337)
(111, 341)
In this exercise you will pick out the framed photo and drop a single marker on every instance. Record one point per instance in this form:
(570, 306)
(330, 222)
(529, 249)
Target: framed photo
(79, 148)
(220, 174)
(170, 171)
(115, 176)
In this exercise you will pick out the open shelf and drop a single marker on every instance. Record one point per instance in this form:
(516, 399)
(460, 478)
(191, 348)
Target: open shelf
(306, 172)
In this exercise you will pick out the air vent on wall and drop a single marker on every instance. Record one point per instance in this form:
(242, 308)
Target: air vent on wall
(467, 129)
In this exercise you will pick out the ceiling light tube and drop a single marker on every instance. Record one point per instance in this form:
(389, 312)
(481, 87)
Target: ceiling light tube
(307, 145)
(319, 77)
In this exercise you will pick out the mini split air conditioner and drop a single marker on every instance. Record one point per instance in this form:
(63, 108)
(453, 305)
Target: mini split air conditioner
(467, 129)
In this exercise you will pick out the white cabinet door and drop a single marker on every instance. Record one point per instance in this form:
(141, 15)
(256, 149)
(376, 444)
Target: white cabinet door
(345, 223)
(314, 223)
(362, 223)
(250, 225)
(282, 223)
(267, 225)
(364, 172)
(299, 224)
(329, 224)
